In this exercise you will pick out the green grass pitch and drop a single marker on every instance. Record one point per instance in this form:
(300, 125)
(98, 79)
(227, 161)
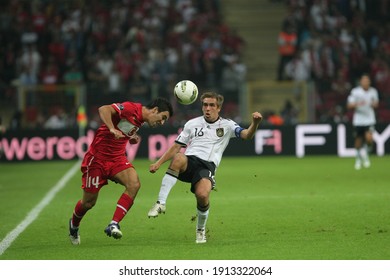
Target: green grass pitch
(265, 208)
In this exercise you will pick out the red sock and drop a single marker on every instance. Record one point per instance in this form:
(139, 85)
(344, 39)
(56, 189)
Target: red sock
(123, 206)
(78, 214)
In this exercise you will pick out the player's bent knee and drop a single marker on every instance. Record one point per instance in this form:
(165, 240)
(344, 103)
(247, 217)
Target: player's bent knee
(202, 192)
(133, 186)
(202, 196)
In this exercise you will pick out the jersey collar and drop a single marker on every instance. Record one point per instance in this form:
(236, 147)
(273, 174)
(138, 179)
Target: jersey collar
(213, 121)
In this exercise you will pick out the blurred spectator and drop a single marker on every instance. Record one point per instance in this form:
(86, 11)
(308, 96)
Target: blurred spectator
(287, 41)
(70, 28)
(358, 61)
(28, 36)
(2, 127)
(16, 120)
(317, 14)
(27, 77)
(123, 63)
(73, 75)
(139, 89)
(341, 85)
(289, 113)
(57, 49)
(105, 64)
(50, 74)
(212, 47)
(114, 82)
(57, 120)
(162, 71)
(272, 118)
(38, 18)
(31, 60)
(9, 62)
(232, 40)
(339, 115)
(382, 79)
(346, 40)
(231, 81)
(299, 71)
(94, 121)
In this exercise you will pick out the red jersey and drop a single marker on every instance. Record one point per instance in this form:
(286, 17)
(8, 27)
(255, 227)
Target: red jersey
(128, 120)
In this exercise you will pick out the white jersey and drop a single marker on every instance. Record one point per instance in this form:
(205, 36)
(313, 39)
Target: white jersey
(364, 114)
(208, 141)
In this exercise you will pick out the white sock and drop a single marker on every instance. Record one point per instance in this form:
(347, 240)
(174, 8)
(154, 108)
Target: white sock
(167, 184)
(202, 219)
(363, 153)
(357, 155)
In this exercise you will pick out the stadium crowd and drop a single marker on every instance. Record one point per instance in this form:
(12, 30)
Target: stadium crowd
(128, 49)
(136, 49)
(335, 42)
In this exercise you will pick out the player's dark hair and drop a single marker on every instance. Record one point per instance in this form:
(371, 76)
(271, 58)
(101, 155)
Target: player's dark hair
(212, 94)
(365, 75)
(162, 105)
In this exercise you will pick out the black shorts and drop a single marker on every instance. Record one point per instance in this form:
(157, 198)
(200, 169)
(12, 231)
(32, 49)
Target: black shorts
(196, 170)
(360, 131)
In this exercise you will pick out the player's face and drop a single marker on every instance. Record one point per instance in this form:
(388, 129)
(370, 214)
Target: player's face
(210, 109)
(365, 82)
(158, 118)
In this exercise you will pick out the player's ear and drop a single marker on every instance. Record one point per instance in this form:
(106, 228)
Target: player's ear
(155, 110)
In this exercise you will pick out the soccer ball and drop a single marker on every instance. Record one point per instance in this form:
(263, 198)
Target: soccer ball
(186, 92)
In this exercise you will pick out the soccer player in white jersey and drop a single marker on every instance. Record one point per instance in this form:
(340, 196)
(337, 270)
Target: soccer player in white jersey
(205, 139)
(363, 100)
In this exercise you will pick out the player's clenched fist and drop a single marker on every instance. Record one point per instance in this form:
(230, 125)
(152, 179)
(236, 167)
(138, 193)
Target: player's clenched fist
(256, 116)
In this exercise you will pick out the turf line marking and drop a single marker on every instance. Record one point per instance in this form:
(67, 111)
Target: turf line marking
(33, 214)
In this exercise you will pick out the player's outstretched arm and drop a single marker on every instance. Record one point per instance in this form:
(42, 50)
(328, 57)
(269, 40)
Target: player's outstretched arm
(106, 112)
(248, 133)
(173, 150)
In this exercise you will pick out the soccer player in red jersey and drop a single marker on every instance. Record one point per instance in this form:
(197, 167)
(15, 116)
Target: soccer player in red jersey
(106, 159)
